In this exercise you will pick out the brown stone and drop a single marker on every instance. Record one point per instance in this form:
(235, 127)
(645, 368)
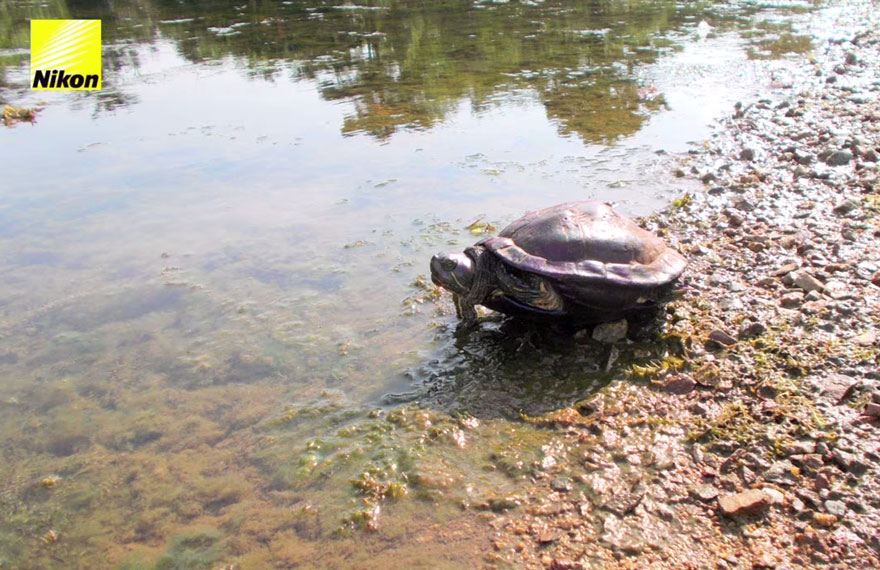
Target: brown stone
(679, 384)
(722, 338)
(785, 269)
(751, 501)
(836, 387)
(824, 519)
(791, 300)
(807, 282)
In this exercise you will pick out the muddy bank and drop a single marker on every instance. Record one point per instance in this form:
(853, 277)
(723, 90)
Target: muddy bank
(746, 434)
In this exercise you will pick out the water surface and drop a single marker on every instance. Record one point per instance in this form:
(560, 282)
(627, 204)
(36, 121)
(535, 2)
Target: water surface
(212, 289)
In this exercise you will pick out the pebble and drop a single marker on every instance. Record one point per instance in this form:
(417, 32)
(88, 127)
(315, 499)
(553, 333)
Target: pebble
(867, 338)
(610, 333)
(705, 493)
(788, 267)
(836, 508)
(752, 330)
(824, 519)
(561, 484)
(679, 384)
(848, 461)
(839, 158)
(720, 337)
(845, 207)
(807, 282)
(836, 387)
(792, 300)
(776, 497)
(752, 501)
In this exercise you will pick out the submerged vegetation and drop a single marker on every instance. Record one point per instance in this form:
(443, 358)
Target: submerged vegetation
(13, 115)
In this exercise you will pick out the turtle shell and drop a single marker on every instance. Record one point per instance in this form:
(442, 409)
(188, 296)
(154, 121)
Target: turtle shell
(595, 255)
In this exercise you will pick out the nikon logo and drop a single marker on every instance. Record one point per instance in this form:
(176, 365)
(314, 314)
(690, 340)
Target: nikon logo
(66, 54)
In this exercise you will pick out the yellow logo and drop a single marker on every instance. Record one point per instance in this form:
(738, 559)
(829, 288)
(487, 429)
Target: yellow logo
(66, 54)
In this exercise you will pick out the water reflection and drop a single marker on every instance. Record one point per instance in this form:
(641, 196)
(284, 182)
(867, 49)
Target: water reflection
(408, 64)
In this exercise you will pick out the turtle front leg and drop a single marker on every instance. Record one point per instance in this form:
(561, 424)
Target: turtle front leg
(464, 310)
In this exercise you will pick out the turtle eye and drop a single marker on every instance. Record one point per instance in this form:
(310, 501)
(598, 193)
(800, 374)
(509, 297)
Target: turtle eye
(448, 264)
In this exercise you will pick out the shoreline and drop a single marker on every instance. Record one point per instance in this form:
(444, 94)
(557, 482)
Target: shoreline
(750, 437)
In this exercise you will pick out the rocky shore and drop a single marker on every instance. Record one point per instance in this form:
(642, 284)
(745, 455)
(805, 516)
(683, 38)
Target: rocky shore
(748, 436)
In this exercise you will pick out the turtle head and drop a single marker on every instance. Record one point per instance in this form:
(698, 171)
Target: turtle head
(453, 271)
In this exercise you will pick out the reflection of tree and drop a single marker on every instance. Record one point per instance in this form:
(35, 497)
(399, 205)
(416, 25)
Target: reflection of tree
(408, 63)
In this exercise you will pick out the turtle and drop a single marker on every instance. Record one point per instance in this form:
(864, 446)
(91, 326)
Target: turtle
(580, 262)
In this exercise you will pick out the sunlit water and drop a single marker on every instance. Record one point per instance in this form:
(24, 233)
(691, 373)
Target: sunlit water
(210, 271)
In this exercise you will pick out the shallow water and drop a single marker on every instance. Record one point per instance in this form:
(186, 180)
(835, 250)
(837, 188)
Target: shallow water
(215, 345)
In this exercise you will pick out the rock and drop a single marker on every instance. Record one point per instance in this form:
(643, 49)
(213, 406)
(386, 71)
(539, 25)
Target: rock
(621, 536)
(747, 154)
(744, 205)
(624, 503)
(836, 387)
(752, 330)
(735, 220)
(867, 338)
(812, 461)
(813, 296)
(839, 158)
(752, 501)
(804, 158)
(610, 333)
(561, 484)
(679, 384)
(781, 472)
(722, 338)
(807, 282)
(848, 462)
(851, 58)
(704, 493)
(501, 504)
(838, 290)
(813, 307)
(792, 300)
(875, 279)
(836, 508)
(872, 409)
(845, 207)
(799, 448)
(776, 497)
(546, 536)
(824, 519)
(788, 267)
